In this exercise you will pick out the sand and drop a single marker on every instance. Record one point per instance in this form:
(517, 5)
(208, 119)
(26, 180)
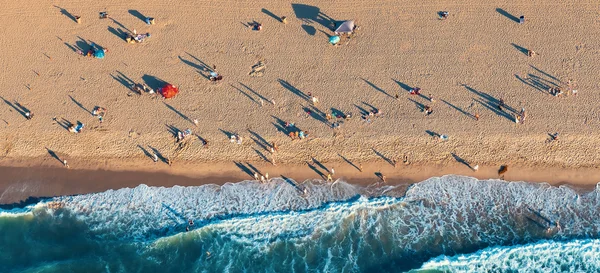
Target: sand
(467, 62)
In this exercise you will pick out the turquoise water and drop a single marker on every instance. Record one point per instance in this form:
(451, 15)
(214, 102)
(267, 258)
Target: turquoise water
(446, 224)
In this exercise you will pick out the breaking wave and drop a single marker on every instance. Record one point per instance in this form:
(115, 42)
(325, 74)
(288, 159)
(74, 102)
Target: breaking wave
(314, 226)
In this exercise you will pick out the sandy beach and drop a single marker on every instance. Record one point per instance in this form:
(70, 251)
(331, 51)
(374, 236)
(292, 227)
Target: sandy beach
(467, 62)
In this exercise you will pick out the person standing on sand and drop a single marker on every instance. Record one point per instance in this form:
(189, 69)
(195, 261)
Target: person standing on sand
(329, 178)
(332, 171)
(65, 163)
(360, 168)
(431, 99)
(267, 176)
(274, 146)
(28, 115)
(154, 157)
(394, 162)
(500, 104)
(255, 176)
(476, 116)
(475, 168)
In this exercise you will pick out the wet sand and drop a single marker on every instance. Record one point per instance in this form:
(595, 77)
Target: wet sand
(20, 183)
(468, 63)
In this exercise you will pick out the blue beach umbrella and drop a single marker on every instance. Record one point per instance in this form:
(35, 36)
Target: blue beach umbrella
(334, 39)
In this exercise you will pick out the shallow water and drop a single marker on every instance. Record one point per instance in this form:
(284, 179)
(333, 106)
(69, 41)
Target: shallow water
(446, 224)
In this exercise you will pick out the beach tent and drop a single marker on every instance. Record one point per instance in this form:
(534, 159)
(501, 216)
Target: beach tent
(334, 40)
(346, 27)
(169, 91)
(99, 53)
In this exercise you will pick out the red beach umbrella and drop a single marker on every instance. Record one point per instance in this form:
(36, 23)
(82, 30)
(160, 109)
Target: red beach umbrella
(169, 91)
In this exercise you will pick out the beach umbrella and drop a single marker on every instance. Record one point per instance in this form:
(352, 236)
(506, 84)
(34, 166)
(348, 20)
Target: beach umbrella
(334, 40)
(169, 91)
(99, 53)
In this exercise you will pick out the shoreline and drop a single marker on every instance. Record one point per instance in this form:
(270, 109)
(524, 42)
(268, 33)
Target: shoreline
(38, 178)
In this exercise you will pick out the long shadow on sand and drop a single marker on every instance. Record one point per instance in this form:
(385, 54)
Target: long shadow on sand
(177, 112)
(377, 88)
(80, 105)
(459, 109)
(201, 67)
(153, 82)
(137, 14)
(268, 12)
(66, 13)
(313, 14)
(521, 49)
(508, 15)
(294, 90)
(491, 103)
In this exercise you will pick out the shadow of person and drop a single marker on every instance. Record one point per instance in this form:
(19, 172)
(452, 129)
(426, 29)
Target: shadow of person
(137, 14)
(309, 13)
(268, 12)
(507, 15)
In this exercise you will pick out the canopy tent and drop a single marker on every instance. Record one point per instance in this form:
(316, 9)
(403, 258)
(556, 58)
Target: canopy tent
(346, 27)
(169, 91)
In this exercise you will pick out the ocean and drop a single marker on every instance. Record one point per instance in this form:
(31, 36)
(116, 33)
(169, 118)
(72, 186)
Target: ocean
(443, 224)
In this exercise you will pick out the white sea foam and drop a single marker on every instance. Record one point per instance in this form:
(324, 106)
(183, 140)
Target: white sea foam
(147, 212)
(546, 256)
(458, 208)
(24, 211)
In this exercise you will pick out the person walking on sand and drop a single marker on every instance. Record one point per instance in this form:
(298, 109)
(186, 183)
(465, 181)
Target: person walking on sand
(500, 104)
(329, 178)
(28, 115)
(262, 179)
(475, 168)
(476, 116)
(394, 162)
(65, 163)
(332, 171)
(99, 112)
(274, 146)
(431, 99)
(267, 176)
(255, 176)
(360, 168)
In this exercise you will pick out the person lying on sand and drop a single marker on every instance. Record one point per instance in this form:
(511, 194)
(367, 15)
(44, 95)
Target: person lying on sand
(215, 77)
